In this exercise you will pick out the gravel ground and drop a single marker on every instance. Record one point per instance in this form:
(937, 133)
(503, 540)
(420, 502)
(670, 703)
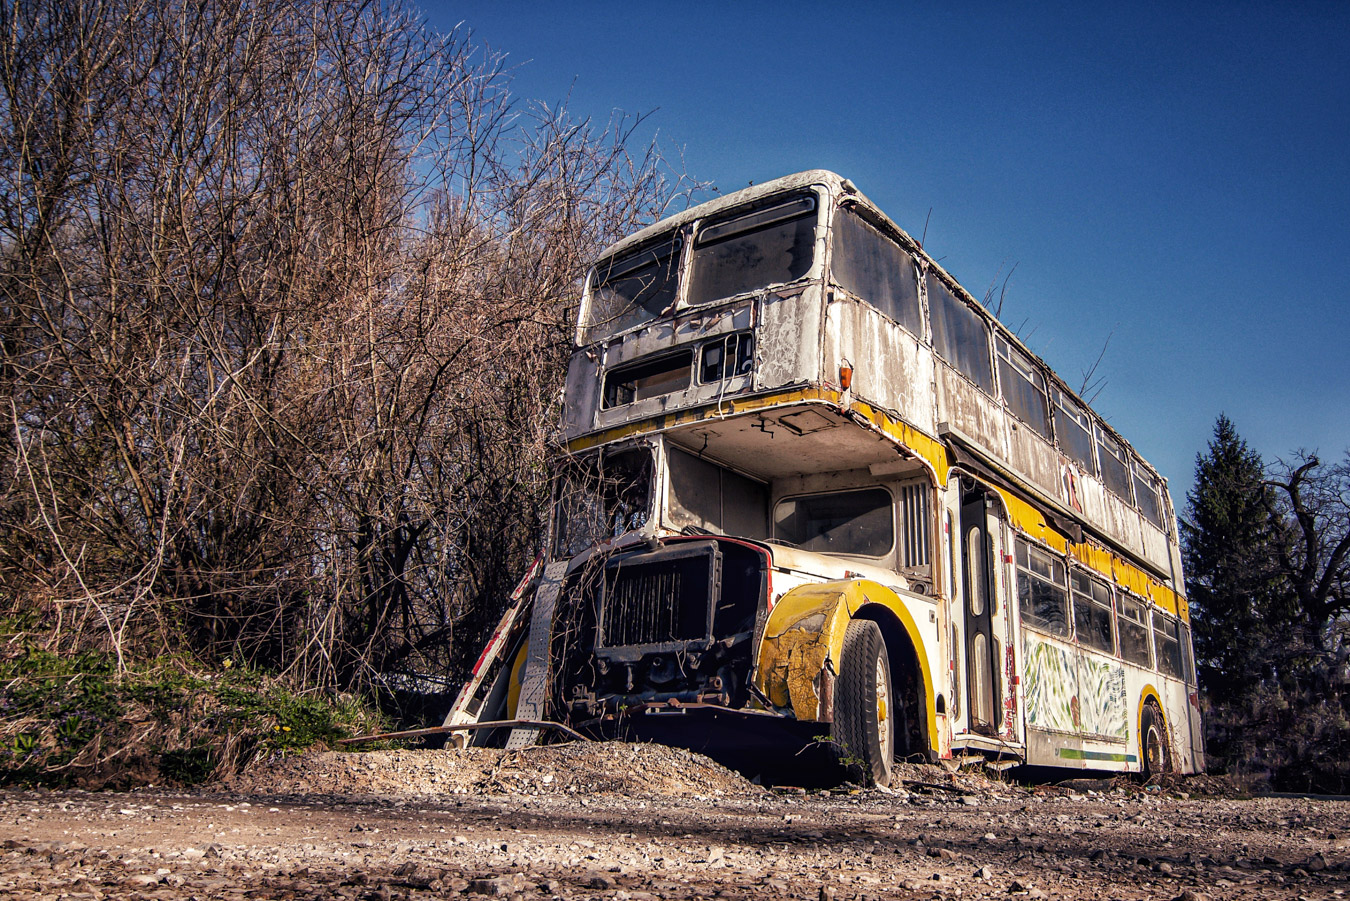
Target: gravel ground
(636, 822)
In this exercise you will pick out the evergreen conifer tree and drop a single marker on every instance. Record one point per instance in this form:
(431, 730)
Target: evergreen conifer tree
(1238, 599)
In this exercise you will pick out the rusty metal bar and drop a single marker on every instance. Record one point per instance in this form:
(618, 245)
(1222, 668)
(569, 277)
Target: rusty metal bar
(464, 727)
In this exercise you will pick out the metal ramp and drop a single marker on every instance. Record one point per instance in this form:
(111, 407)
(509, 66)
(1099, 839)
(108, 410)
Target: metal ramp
(535, 680)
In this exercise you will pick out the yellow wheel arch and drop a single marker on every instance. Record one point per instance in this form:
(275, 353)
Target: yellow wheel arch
(1146, 694)
(805, 633)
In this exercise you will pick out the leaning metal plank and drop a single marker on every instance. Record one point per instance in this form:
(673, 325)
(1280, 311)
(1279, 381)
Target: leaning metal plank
(534, 684)
(487, 664)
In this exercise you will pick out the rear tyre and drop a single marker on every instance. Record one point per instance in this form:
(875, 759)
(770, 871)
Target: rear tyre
(1154, 753)
(863, 729)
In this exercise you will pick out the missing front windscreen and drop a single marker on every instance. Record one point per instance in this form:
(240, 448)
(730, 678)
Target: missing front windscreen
(601, 497)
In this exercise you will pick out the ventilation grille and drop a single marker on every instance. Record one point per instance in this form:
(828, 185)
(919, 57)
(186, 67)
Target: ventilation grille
(914, 519)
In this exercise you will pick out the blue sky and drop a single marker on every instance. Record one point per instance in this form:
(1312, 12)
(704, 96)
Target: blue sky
(1175, 179)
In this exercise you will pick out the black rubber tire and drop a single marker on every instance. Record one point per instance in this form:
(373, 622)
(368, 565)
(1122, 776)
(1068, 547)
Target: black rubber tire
(863, 728)
(1155, 757)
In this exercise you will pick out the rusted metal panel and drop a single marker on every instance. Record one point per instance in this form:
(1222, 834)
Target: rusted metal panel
(1122, 522)
(892, 369)
(582, 393)
(971, 411)
(1156, 548)
(1034, 459)
(788, 339)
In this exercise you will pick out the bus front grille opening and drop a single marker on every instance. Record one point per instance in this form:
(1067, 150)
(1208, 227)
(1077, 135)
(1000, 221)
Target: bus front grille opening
(660, 598)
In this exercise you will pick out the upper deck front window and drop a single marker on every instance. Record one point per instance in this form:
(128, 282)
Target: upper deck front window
(631, 290)
(754, 250)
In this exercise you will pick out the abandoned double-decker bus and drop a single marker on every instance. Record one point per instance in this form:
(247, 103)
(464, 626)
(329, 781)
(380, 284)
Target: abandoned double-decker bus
(812, 488)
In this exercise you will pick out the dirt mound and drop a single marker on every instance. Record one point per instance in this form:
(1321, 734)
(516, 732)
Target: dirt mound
(633, 770)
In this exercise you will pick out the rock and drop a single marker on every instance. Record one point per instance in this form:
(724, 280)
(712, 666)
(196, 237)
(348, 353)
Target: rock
(601, 881)
(496, 885)
(1191, 895)
(1316, 863)
(984, 873)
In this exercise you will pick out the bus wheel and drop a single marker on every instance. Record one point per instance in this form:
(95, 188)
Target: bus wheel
(1156, 757)
(863, 726)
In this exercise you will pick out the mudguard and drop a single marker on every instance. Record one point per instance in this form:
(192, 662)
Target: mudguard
(804, 639)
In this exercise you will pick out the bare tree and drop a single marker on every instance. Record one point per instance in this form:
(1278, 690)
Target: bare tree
(1316, 557)
(285, 292)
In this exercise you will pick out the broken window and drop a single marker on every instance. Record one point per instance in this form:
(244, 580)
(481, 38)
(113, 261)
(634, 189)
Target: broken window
(875, 268)
(1041, 594)
(600, 497)
(1134, 639)
(959, 334)
(1073, 428)
(1115, 465)
(768, 247)
(631, 290)
(1092, 613)
(648, 378)
(704, 496)
(726, 357)
(844, 522)
(1023, 388)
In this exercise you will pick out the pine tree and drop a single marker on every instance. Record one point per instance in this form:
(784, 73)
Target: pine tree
(1230, 545)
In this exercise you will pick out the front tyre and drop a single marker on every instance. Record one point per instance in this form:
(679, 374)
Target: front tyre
(862, 730)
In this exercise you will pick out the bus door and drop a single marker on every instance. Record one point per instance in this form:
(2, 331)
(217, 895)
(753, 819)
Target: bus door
(977, 571)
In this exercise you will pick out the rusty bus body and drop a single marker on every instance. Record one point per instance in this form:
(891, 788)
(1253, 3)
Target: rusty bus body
(809, 481)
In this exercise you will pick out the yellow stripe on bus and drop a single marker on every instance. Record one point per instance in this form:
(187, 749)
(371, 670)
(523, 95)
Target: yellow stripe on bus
(1112, 566)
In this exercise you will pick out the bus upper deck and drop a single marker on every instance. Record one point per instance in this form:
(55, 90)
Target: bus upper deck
(799, 290)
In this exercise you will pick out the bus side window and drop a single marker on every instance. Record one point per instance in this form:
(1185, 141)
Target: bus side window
(875, 268)
(1092, 613)
(959, 334)
(1168, 645)
(1040, 590)
(1146, 493)
(1023, 388)
(1134, 632)
(1187, 655)
(1115, 465)
(1073, 428)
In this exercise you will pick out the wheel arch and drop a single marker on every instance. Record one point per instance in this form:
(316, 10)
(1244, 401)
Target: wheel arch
(1146, 694)
(1149, 696)
(805, 634)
